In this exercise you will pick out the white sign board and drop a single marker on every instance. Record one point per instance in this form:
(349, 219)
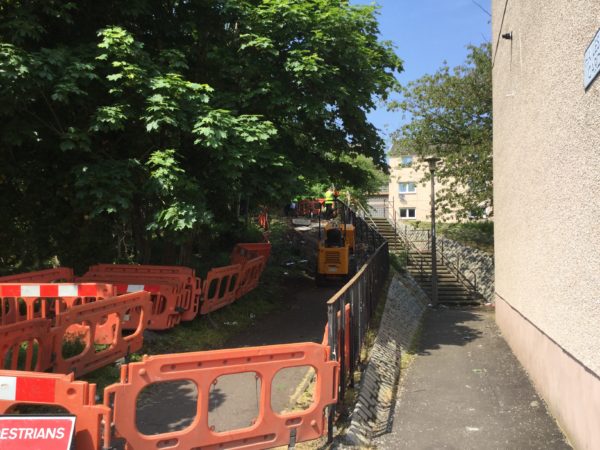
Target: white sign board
(591, 61)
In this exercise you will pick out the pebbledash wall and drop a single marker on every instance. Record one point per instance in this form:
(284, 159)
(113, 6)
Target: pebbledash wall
(547, 203)
(476, 265)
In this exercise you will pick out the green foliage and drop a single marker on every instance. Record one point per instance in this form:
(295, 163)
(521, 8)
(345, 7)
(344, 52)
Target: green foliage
(478, 235)
(134, 133)
(399, 261)
(451, 117)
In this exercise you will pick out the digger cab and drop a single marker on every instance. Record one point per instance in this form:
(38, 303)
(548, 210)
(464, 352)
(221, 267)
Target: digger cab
(334, 237)
(334, 260)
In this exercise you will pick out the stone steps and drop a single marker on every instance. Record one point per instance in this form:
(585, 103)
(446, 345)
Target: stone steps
(450, 290)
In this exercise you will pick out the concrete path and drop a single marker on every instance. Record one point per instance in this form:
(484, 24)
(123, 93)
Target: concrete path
(466, 390)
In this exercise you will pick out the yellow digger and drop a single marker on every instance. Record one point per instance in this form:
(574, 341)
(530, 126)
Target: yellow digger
(336, 253)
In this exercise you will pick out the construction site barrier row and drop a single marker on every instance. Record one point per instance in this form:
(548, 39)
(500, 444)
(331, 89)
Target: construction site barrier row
(39, 318)
(101, 425)
(96, 423)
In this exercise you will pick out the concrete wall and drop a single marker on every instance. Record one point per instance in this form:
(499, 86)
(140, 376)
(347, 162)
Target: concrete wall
(547, 202)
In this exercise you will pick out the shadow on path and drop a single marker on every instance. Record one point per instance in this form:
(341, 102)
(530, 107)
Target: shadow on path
(466, 390)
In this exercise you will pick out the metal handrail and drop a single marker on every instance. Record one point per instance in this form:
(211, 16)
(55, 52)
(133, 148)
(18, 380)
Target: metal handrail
(460, 276)
(474, 279)
(400, 239)
(366, 215)
(471, 287)
(410, 245)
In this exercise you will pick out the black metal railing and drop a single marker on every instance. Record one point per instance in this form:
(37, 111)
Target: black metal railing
(350, 310)
(419, 244)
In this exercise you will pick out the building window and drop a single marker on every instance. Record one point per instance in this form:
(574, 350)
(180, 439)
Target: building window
(407, 161)
(407, 187)
(408, 213)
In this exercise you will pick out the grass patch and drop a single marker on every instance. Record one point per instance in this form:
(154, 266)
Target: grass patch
(408, 356)
(375, 321)
(478, 235)
(399, 260)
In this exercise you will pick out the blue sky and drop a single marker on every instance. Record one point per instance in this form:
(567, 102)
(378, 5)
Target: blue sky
(426, 33)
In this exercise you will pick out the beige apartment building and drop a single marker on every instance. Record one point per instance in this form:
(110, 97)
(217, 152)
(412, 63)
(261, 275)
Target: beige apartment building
(406, 197)
(546, 59)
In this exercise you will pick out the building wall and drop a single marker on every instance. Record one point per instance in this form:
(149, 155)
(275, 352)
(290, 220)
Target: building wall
(420, 200)
(547, 203)
(378, 205)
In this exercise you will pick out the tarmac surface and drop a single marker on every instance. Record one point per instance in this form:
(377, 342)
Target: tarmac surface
(466, 390)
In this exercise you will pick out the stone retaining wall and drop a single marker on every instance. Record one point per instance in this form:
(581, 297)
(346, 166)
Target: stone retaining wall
(470, 259)
(373, 412)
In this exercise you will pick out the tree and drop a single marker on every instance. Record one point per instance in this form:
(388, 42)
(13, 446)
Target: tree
(134, 132)
(451, 117)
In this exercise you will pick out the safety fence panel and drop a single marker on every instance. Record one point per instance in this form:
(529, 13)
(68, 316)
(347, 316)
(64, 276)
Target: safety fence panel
(26, 301)
(250, 275)
(309, 208)
(343, 341)
(26, 345)
(143, 269)
(192, 310)
(202, 369)
(80, 325)
(19, 389)
(167, 296)
(303, 207)
(184, 307)
(220, 288)
(42, 276)
(263, 219)
(242, 253)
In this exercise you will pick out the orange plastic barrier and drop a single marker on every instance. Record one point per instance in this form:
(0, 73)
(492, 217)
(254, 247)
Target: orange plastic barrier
(26, 301)
(203, 368)
(143, 269)
(220, 288)
(309, 207)
(302, 207)
(242, 253)
(193, 309)
(186, 306)
(91, 316)
(26, 345)
(77, 397)
(250, 275)
(347, 338)
(167, 296)
(41, 276)
(263, 219)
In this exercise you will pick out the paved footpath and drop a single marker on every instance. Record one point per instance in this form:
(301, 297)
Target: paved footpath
(466, 390)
